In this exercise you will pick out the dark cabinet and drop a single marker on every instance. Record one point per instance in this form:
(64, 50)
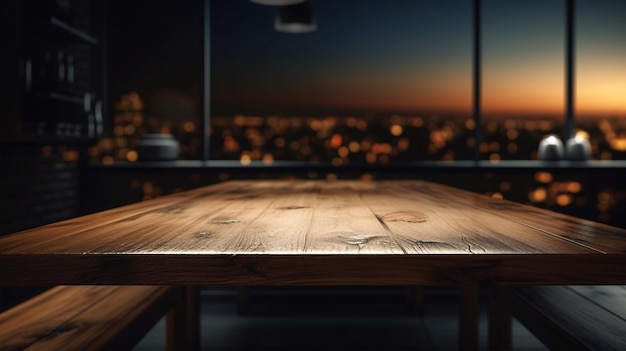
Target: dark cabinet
(53, 69)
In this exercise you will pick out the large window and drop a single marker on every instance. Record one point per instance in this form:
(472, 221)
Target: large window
(377, 82)
(392, 81)
(601, 76)
(523, 75)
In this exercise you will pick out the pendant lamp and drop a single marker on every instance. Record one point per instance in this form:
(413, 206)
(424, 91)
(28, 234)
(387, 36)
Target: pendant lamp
(297, 18)
(277, 2)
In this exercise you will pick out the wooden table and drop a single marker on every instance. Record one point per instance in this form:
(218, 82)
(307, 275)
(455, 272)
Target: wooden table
(305, 232)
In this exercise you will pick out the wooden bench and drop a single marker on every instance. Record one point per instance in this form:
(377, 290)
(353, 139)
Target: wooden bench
(562, 317)
(91, 318)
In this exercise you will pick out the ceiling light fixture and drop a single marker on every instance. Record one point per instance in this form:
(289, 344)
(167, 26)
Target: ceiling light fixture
(297, 18)
(277, 2)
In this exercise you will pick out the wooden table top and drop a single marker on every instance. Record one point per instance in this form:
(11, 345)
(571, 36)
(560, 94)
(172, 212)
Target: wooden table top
(308, 232)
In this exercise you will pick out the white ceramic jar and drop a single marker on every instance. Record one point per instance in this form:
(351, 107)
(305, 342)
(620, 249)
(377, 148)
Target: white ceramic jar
(577, 149)
(551, 148)
(157, 147)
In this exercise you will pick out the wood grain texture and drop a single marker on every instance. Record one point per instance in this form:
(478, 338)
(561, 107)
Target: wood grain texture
(436, 223)
(291, 232)
(342, 224)
(572, 317)
(596, 236)
(84, 318)
(612, 298)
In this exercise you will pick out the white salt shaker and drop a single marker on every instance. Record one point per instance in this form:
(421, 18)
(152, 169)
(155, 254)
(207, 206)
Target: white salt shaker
(551, 148)
(577, 149)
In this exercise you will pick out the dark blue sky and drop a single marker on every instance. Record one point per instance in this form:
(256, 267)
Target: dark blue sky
(410, 55)
(365, 54)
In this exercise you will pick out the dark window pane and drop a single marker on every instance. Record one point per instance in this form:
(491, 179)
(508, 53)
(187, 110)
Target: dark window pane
(601, 76)
(523, 62)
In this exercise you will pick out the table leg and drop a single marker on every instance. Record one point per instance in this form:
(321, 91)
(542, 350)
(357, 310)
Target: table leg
(468, 318)
(192, 316)
(500, 323)
(177, 323)
(183, 321)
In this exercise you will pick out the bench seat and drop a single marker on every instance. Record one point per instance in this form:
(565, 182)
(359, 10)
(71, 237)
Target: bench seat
(565, 317)
(87, 318)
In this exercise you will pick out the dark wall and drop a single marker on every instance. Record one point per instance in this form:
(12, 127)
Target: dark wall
(52, 106)
(155, 46)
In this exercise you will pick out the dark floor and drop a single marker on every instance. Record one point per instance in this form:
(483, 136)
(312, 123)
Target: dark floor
(332, 319)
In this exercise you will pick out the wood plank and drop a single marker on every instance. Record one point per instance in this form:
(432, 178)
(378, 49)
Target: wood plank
(283, 226)
(598, 236)
(215, 225)
(25, 324)
(207, 220)
(204, 221)
(610, 297)
(342, 224)
(84, 318)
(561, 318)
(285, 232)
(428, 224)
(42, 237)
(114, 323)
(310, 269)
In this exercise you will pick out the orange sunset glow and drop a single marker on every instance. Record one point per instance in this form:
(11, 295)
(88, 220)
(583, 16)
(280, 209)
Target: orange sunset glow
(421, 60)
(601, 90)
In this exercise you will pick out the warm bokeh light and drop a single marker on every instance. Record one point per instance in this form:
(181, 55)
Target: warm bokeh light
(400, 137)
(543, 177)
(268, 159)
(245, 160)
(582, 134)
(538, 195)
(396, 130)
(132, 156)
(47, 150)
(564, 199)
(619, 144)
(574, 187)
